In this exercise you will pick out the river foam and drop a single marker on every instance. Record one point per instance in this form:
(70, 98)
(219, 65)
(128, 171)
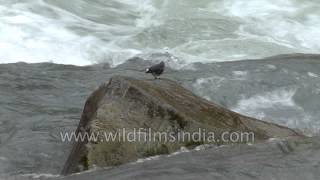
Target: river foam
(83, 32)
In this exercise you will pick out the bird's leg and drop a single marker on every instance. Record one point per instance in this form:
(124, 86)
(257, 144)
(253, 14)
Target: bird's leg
(154, 75)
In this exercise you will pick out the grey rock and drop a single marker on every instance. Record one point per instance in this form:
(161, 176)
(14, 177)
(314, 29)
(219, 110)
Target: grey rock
(161, 105)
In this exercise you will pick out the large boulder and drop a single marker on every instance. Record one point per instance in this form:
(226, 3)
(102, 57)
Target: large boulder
(126, 105)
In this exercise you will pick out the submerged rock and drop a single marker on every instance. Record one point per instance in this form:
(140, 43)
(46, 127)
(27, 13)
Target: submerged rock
(127, 105)
(293, 159)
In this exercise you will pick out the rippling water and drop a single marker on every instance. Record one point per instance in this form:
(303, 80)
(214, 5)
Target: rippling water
(82, 32)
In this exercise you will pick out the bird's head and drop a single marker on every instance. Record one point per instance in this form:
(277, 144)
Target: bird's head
(147, 70)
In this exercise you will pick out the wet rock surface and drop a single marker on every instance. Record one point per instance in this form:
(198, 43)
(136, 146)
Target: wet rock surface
(161, 105)
(286, 159)
(38, 101)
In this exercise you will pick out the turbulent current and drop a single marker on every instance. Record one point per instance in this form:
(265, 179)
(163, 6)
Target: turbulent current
(72, 46)
(83, 32)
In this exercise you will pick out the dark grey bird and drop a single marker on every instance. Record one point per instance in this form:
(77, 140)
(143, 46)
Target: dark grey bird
(156, 70)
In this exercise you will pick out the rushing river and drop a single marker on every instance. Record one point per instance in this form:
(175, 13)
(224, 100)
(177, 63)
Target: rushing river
(83, 32)
(201, 41)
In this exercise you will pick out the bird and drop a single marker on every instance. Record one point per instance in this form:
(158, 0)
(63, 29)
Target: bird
(156, 70)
